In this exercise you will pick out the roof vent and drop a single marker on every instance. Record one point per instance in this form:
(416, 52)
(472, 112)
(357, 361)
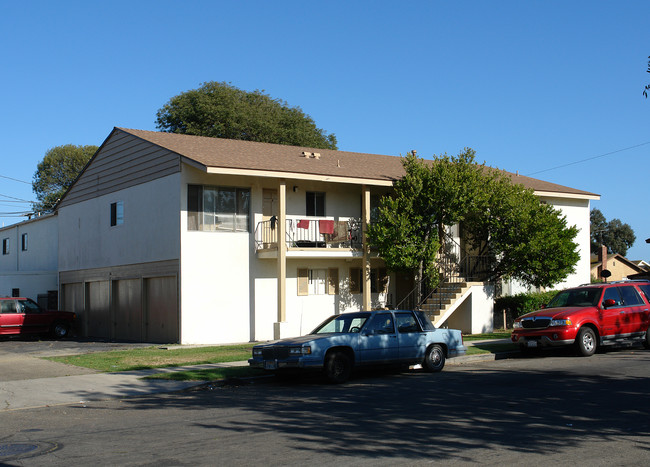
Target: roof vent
(311, 155)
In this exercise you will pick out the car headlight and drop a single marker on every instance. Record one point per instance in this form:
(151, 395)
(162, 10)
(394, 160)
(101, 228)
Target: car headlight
(561, 322)
(517, 325)
(257, 352)
(296, 351)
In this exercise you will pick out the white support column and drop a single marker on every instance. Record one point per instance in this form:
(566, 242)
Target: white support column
(365, 215)
(281, 270)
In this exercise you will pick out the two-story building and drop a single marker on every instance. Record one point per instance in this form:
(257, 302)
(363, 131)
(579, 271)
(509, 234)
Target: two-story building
(177, 238)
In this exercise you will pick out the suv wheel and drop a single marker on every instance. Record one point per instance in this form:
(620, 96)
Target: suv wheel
(586, 342)
(646, 341)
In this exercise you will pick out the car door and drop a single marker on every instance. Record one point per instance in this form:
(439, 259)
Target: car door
(11, 322)
(378, 341)
(611, 317)
(35, 319)
(411, 337)
(635, 310)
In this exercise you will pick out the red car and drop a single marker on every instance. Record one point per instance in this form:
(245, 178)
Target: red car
(23, 316)
(589, 316)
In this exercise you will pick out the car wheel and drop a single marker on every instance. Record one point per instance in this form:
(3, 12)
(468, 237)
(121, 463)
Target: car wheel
(646, 341)
(586, 342)
(338, 367)
(60, 330)
(434, 360)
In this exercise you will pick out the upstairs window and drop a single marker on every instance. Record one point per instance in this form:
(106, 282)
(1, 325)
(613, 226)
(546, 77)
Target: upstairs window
(212, 208)
(23, 242)
(315, 204)
(117, 213)
(5, 246)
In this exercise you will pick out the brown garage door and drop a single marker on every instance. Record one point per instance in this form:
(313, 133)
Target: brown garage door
(127, 302)
(161, 309)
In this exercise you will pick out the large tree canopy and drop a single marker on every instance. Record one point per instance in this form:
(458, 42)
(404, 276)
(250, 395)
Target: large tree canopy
(504, 224)
(218, 109)
(615, 235)
(56, 172)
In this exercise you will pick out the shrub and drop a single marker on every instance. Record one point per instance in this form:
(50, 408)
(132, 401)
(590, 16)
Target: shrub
(520, 304)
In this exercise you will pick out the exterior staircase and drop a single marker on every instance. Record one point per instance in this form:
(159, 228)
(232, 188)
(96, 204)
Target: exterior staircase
(442, 303)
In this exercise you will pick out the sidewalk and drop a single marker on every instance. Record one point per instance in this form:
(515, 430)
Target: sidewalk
(93, 386)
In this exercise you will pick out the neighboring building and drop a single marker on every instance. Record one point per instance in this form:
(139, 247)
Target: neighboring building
(29, 260)
(620, 267)
(177, 238)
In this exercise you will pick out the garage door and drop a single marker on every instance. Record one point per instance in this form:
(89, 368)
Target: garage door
(127, 300)
(161, 313)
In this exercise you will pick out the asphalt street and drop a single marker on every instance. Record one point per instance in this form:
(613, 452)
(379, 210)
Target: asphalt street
(547, 409)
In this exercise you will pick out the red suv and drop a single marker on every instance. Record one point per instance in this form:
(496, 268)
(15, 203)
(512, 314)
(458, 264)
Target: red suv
(24, 316)
(589, 316)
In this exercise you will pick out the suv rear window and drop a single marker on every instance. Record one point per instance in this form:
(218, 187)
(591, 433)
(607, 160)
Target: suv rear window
(630, 296)
(645, 288)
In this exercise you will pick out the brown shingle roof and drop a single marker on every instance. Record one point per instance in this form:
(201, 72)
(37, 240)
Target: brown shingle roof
(249, 155)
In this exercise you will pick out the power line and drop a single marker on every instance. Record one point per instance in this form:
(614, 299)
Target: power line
(15, 179)
(13, 197)
(588, 159)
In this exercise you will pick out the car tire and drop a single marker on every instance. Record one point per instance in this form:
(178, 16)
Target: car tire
(338, 367)
(586, 342)
(60, 330)
(434, 360)
(646, 341)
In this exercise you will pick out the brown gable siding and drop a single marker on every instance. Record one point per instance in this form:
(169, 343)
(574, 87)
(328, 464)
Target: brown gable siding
(122, 161)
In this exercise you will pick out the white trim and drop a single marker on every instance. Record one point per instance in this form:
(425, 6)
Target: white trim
(555, 194)
(296, 176)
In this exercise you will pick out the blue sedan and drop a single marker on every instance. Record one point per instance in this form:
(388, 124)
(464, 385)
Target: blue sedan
(350, 340)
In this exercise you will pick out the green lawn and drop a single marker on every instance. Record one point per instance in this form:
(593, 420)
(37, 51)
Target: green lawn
(157, 357)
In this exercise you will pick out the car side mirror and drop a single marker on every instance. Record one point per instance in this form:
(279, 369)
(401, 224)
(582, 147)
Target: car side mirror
(609, 302)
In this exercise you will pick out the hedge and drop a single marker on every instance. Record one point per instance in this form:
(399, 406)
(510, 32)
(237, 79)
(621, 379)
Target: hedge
(520, 304)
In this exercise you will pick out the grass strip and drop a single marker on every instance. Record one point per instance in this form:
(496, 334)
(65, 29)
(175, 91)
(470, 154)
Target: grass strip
(213, 374)
(156, 357)
(499, 334)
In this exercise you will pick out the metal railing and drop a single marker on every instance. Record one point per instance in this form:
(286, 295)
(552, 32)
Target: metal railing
(454, 266)
(310, 233)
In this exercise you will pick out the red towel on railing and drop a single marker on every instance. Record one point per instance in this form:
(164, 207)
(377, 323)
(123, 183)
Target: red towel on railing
(303, 224)
(326, 227)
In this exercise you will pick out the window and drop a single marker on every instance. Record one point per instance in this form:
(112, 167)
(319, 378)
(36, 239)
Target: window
(382, 323)
(117, 213)
(211, 208)
(318, 281)
(315, 204)
(406, 322)
(5, 246)
(23, 242)
(378, 280)
(630, 296)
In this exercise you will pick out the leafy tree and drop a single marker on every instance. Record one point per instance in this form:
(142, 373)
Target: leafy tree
(502, 222)
(220, 110)
(615, 235)
(409, 230)
(519, 237)
(56, 172)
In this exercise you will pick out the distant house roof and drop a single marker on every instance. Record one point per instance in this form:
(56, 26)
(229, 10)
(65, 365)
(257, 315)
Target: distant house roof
(218, 155)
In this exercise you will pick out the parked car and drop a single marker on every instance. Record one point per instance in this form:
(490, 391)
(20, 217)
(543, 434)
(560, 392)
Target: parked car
(24, 316)
(351, 340)
(589, 316)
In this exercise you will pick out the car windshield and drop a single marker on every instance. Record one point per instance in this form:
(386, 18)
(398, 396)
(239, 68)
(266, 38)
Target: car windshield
(347, 322)
(576, 297)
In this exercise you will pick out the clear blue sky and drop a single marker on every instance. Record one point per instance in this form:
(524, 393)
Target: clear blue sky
(530, 85)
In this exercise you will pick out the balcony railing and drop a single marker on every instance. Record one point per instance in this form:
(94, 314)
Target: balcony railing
(310, 232)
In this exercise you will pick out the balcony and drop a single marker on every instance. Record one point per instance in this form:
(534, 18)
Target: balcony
(309, 235)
